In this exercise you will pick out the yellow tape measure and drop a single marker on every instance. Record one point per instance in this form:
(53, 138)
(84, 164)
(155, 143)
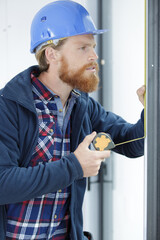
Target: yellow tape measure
(103, 141)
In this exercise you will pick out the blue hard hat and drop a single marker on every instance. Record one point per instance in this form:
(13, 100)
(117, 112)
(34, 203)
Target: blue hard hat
(61, 19)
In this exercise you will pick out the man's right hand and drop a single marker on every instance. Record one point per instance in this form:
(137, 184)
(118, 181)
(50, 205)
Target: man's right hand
(90, 160)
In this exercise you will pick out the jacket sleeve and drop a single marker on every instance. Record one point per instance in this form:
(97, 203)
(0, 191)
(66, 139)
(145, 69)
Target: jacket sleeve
(18, 183)
(119, 129)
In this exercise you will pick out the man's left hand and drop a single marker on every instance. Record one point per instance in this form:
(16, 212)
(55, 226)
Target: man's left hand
(141, 92)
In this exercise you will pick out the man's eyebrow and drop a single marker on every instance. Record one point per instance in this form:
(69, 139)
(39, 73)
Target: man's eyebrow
(86, 44)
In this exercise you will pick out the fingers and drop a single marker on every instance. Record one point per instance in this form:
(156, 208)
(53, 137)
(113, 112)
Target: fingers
(89, 138)
(89, 160)
(141, 92)
(101, 154)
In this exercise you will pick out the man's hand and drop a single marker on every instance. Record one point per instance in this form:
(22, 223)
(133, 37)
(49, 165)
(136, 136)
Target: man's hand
(141, 92)
(90, 160)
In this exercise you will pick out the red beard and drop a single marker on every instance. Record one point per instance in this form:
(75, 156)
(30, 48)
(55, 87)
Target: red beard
(79, 80)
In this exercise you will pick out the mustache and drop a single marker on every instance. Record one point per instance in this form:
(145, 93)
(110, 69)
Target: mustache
(93, 64)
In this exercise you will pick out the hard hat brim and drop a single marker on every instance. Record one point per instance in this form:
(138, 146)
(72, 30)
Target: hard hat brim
(99, 31)
(95, 32)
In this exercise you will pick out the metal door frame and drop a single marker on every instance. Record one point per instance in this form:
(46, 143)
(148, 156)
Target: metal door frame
(152, 163)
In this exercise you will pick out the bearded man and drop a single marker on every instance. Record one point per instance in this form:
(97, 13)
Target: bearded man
(47, 123)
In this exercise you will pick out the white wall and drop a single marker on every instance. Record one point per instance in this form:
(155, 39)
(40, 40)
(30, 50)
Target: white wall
(127, 77)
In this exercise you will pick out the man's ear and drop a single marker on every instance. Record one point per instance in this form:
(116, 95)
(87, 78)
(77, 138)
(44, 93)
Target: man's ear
(51, 54)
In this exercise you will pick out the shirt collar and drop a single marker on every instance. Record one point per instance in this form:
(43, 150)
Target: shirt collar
(41, 90)
(45, 93)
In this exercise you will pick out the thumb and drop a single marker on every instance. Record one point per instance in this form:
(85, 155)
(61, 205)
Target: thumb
(89, 138)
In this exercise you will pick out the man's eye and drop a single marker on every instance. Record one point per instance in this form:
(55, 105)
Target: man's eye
(83, 48)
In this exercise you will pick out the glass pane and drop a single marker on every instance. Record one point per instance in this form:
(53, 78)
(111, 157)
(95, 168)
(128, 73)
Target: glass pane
(123, 74)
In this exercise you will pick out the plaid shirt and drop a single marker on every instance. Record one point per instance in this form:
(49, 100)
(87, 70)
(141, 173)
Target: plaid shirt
(47, 216)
